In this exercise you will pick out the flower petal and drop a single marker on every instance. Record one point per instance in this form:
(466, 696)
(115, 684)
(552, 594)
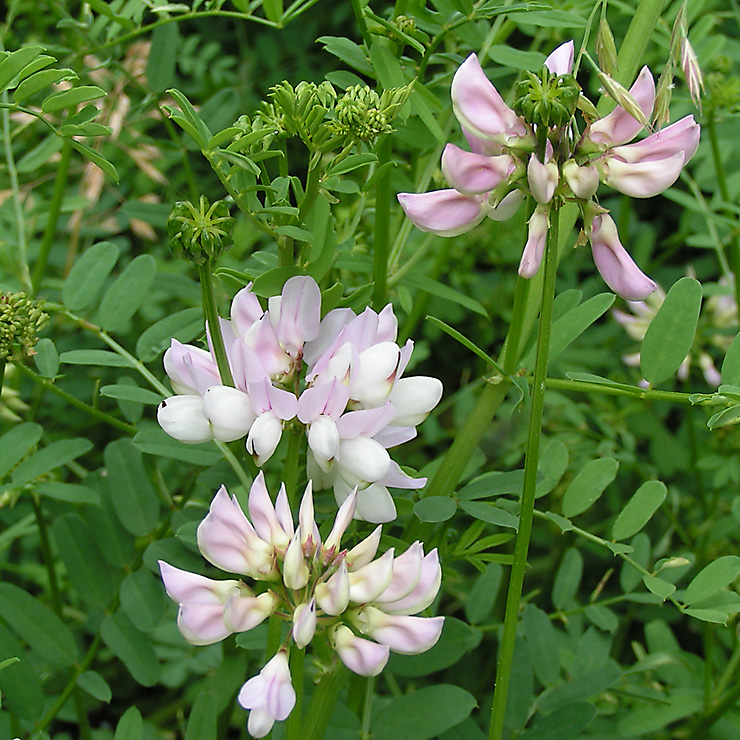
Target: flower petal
(472, 173)
(443, 212)
(560, 61)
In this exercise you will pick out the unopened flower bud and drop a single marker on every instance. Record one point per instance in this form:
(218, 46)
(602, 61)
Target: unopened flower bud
(583, 180)
(304, 623)
(200, 234)
(20, 319)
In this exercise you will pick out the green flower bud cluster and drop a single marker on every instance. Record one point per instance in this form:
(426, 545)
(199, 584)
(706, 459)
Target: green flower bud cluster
(547, 100)
(363, 115)
(20, 319)
(200, 234)
(723, 86)
(302, 111)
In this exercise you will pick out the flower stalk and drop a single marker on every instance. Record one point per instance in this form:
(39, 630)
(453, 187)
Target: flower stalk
(521, 548)
(214, 323)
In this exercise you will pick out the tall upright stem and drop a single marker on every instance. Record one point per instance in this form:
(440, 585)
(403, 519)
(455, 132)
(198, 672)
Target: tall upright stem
(214, 324)
(521, 548)
(382, 224)
(55, 208)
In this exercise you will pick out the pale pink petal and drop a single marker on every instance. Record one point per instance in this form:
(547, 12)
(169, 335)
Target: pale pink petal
(508, 206)
(341, 522)
(620, 126)
(262, 514)
(300, 314)
(264, 437)
(682, 136)
(542, 178)
(406, 574)
(560, 62)
(304, 623)
(443, 212)
(479, 107)
(413, 398)
(425, 591)
(243, 613)
(534, 249)
(362, 460)
(396, 478)
(583, 180)
(365, 422)
(332, 595)
(368, 582)
(245, 309)
(617, 268)
(364, 657)
(403, 634)
(295, 570)
(184, 587)
(202, 624)
(643, 179)
(472, 173)
(364, 552)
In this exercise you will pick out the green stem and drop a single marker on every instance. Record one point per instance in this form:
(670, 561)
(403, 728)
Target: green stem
(367, 709)
(581, 386)
(55, 209)
(54, 709)
(293, 729)
(313, 179)
(492, 396)
(728, 674)
(323, 701)
(719, 171)
(244, 478)
(521, 548)
(25, 274)
(290, 466)
(361, 23)
(699, 728)
(214, 323)
(381, 244)
(72, 401)
(2, 374)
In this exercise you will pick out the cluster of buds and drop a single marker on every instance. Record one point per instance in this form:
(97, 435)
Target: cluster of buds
(363, 115)
(717, 327)
(537, 150)
(20, 320)
(200, 234)
(339, 377)
(362, 605)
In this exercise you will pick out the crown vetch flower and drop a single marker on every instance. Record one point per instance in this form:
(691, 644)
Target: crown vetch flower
(492, 178)
(363, 606)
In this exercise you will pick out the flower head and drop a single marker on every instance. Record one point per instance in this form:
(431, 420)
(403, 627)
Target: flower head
(502, 166)
(362, 606)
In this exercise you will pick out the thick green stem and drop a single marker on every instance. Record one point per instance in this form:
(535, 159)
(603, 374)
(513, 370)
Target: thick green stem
(492, 396)
(293, 726)
(290, 466)
(381, 244)
(521, 548)
(55, 209)
(214, 323)
(719, 171)
(367, 709)
(323, 701)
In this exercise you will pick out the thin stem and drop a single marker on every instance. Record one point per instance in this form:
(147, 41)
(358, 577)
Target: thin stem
(55, 209)
(381, 244)
(367, 708)
(72, 401)
(244, 478)
(361, 23)
(700, 726)
(293, 729)
(54, 709)
(521, 548)
(20, 226)
(56, 599)
(214, 323)
(580, 386)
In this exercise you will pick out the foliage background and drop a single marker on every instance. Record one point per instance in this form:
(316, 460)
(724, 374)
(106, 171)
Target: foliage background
(94, 493)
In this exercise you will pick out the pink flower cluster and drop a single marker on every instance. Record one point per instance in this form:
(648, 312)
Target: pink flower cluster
(492, 179)
(352, 401)
(362, 605)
